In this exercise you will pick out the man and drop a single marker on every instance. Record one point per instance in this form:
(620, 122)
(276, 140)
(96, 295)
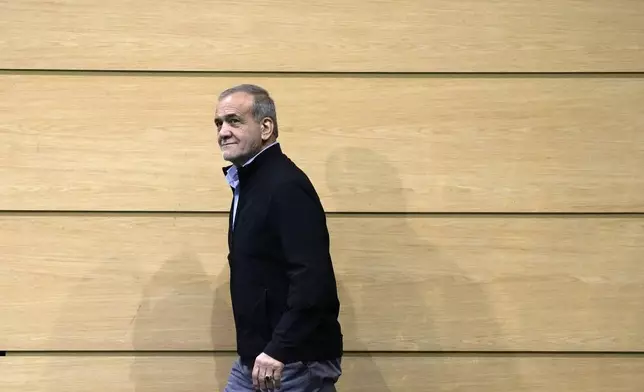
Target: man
(282, 282)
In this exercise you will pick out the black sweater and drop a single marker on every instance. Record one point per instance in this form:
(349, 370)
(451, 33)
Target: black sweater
(282, 282)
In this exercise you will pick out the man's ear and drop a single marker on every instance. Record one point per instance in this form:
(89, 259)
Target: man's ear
(267, 128)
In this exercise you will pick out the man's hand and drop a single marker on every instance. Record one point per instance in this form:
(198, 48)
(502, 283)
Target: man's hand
(267, 373)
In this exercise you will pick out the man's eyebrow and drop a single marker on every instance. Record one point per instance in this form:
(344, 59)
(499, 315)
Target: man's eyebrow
(226, 117)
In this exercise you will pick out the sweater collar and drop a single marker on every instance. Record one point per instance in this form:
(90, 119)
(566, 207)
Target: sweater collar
(233, 173)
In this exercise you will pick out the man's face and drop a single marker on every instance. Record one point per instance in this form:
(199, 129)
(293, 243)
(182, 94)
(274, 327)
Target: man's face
(239, 135)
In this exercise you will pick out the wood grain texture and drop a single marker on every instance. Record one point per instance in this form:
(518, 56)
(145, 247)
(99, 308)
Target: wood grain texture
(378, 373)
(332, 35)
(486, 283)
(142, 142)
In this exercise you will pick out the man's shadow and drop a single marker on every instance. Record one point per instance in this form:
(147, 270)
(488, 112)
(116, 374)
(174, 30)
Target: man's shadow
(183, 313)
(391, 299)
(176, 295)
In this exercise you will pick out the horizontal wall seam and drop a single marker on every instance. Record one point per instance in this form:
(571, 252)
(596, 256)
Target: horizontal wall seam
(321, 74)
(169, 213)
(346, 353)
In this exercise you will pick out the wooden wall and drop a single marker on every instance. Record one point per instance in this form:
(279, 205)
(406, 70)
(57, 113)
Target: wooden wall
(481, 163)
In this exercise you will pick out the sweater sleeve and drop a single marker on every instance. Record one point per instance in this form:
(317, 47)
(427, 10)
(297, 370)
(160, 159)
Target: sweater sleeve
(300, 222)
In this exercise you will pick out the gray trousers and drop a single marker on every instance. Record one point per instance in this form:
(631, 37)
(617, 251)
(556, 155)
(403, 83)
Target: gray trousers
(296, 377)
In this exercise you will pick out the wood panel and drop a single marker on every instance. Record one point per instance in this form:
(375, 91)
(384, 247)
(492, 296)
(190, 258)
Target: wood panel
(143, 142)
(406, 283)
(332, 35)
(388, 373)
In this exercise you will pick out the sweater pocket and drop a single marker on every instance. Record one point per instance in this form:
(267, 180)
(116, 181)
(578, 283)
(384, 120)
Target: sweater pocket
(258, 317)
(267, 317)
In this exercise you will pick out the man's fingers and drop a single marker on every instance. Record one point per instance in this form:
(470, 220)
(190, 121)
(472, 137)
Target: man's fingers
(262, 377)
(267, 373)
(277, 376)
(256, 376)
(268, 380)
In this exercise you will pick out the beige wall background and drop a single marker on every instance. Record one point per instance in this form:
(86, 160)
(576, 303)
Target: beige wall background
(481, 163)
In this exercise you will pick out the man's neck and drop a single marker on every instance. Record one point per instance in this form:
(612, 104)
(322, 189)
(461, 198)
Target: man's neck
(252, 157)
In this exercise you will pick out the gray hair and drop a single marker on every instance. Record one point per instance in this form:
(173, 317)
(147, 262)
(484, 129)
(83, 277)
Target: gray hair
(263, 104)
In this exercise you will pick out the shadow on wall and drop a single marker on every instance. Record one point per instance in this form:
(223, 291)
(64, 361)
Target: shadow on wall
(176, 295)
(178, 310)
(389, 307)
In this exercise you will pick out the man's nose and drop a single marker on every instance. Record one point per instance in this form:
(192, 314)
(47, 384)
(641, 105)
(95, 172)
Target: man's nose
(224, 131)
